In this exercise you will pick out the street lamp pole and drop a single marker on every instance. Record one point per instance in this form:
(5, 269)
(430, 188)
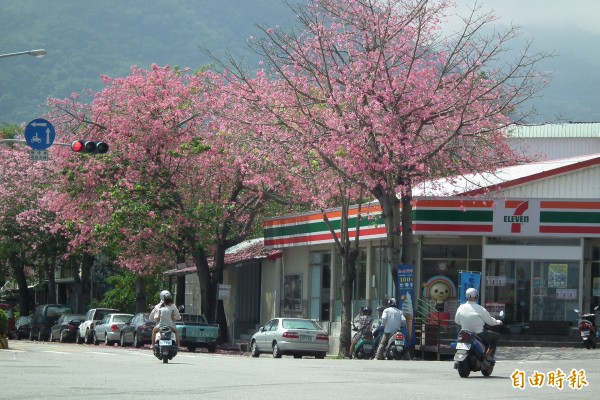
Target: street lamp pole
(36, 53)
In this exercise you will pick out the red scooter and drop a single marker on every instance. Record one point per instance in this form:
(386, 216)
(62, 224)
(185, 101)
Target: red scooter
(587, 329)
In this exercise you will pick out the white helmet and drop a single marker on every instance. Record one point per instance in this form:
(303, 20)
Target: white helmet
(163, 294)
(471, 292)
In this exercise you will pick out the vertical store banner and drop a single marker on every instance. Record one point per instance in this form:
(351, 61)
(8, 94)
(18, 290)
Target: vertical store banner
(468, 280)
(405, 289)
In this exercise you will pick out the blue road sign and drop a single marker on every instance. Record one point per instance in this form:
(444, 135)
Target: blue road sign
(39, 134)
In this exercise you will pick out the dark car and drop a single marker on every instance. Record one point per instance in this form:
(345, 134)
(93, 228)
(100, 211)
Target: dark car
(138, 331)
(66, 327)
(44, 317)
(23, 326)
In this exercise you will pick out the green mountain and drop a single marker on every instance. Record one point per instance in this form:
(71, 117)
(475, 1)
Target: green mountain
(86, 39)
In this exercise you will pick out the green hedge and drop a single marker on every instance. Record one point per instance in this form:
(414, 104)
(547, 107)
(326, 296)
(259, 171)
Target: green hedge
(3, 322)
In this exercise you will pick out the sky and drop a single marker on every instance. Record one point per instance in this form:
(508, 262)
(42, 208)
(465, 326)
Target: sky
(571, 30)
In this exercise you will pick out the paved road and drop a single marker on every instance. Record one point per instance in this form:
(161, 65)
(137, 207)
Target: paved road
(67, 371)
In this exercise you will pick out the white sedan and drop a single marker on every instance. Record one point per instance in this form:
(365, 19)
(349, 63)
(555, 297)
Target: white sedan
(109, 328)
(294, 336)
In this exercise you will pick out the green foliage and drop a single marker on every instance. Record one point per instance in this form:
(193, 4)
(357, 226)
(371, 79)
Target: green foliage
(122, 296)
(167, 32)
(3, 322)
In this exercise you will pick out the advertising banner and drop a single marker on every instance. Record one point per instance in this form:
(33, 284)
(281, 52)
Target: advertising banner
(468, 280)
(405, 289)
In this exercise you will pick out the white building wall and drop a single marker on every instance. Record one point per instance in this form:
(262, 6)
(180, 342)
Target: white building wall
(583, 184)
(555, 148)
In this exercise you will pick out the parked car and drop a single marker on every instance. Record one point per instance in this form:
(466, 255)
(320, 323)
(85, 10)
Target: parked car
(138, 331)
(295, 336)
(22, 327)
(85, 333)
(109, 329)
(195, 331)
(44, 317)
(65, 329)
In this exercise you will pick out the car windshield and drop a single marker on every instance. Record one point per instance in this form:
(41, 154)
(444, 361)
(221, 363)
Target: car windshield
(300, 324)
(121, 318)
(57, 311)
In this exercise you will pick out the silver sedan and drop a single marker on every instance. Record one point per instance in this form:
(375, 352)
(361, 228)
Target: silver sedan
(294, 336)
(109, 329)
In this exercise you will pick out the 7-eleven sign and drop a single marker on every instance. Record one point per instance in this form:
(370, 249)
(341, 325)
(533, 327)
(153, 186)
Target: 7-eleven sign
(520, 217)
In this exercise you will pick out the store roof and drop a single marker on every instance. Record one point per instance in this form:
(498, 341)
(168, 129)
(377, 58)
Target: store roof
(476, 184)
(248, 250)
(570, 130)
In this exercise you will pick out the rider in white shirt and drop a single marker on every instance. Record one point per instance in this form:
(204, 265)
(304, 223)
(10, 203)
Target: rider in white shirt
(392, 319)
(166, 313)
(473, 317)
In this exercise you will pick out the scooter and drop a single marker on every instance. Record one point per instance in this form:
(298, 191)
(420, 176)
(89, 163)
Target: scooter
(471, 354)
(395, 349)
(364, 347)
(164, 347)
(587, 329)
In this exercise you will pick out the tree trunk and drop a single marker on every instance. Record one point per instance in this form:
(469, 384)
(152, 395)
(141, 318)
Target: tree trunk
(19, 273)
(141, 304)
(85, 286)
(49, 271)
(349, 268)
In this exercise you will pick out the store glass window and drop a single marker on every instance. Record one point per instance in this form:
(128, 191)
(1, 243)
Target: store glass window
(555, 285)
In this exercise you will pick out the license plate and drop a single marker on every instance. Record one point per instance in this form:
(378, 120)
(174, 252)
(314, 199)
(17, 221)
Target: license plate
(166, 342)
(399, 342)
(368, 347)
(306, 338)
(463, 346)
(585, 333)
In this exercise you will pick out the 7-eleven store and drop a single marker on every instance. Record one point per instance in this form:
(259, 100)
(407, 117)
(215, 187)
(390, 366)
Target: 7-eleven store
(538, 254)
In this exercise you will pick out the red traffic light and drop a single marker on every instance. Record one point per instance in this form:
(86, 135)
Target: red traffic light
(88, 146)
(77, 146)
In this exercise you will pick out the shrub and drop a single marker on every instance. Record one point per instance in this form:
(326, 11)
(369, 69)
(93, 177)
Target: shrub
(3, 322)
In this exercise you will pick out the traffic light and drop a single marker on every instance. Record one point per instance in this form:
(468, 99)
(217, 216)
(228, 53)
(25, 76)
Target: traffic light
(88, 146)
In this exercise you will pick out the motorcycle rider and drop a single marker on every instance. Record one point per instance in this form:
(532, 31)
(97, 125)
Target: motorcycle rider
(392, 319)
(378, 331)
(362, 323)
(473, 317)
(169, 309)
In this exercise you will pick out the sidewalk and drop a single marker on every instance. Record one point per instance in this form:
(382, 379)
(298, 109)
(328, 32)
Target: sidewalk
(530, 353)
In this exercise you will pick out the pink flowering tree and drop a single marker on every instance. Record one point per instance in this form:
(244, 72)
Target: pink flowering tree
(388, 99)
(179, 179)
(24, 235)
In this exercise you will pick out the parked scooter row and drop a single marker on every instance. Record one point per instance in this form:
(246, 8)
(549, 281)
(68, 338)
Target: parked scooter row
(587, 328)
(367, 344)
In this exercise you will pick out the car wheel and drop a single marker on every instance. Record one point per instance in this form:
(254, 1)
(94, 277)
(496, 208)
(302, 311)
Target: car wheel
(19, 336)
(122, 341)
(106, 341)
(51, 336)
(212, 348)
(40, 337)
(95, 340)
(191, 349)
(254, 349)
(276, 351)
(320, 356)
(78, 338)
(31, 338)
(297, 355)
(136, 341)
(89, 337)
